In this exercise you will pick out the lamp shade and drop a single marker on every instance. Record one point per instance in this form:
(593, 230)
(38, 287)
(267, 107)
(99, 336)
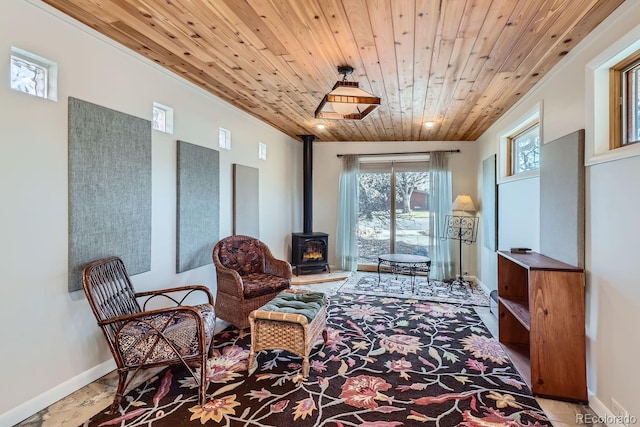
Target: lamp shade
(463, 203)
(346, 101)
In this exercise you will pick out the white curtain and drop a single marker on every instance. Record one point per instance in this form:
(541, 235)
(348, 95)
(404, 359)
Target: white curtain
(346, 237)
(439, 207)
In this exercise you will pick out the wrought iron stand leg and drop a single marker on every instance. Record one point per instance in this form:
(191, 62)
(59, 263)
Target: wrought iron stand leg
(412, 273)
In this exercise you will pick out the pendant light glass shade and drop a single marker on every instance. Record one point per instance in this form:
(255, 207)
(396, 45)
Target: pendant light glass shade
(346, 100)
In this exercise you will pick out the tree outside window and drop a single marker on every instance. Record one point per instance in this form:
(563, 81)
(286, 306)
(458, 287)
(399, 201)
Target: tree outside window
(524, 150)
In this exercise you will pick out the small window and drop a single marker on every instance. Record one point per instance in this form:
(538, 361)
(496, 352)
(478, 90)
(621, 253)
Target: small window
(262, 151)
(524, 149)
(625, 106)
(159, 119)
(33, 74)
(631, 104)
(162, 118)
(224, 137)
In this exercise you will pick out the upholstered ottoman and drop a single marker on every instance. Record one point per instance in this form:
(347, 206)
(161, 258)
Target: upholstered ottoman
(291, 321)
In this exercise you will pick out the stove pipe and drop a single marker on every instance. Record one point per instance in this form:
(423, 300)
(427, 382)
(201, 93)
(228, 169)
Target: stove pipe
(307, 185)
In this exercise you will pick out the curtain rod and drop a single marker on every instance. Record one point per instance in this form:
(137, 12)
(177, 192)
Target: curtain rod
(401, 154)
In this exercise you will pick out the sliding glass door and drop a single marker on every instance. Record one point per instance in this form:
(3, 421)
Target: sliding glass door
(394, 213)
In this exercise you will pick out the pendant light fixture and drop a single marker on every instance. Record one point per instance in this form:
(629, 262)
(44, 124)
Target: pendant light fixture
(346, 101)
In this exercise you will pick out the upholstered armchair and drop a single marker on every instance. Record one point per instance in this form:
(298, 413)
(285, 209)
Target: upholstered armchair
(249, 276)
(142, 338)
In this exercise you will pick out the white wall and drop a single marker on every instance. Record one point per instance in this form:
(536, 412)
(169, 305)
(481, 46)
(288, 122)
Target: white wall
(326, 178)
(50, 342)
(612, 198)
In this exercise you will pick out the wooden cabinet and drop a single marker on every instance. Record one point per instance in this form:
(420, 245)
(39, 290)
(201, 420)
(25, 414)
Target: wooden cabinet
(541, 323)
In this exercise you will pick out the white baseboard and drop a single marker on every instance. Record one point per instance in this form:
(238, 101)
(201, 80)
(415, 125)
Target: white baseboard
(38, 403)
(604, 414)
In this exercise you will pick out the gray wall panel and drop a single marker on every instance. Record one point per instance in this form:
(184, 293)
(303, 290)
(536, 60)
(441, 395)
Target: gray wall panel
(198, 214)
(489, 203)
(109, 188)
(562, 199)
(246, 201)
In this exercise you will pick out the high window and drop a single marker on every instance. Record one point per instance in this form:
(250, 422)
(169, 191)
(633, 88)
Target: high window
(33, 74)
(524, 149)
(611, 101)
(519, 147)
(162, 118)
(224, 138)
(624, 126)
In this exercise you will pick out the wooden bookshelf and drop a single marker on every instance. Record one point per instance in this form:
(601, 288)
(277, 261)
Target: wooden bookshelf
(541, 323)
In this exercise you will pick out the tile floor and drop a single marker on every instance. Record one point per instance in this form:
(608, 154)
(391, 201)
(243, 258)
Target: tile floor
(79, 406)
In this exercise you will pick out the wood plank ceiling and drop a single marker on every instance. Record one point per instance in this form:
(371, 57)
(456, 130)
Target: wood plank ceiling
(459, 63)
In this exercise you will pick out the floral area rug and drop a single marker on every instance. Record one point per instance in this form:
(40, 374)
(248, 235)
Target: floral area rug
(388, 362)
(392, 285)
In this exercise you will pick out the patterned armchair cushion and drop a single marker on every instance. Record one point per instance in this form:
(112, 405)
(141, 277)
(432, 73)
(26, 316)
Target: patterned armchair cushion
(258, 284)
(244, 256)
(137, 338)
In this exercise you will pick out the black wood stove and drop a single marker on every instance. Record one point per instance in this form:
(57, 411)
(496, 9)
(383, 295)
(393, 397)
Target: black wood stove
(309, 250)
